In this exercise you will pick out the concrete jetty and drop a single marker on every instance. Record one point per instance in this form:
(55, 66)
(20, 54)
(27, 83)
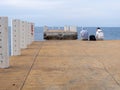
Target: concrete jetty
(64, 65)
(60, 35)
(68, 33)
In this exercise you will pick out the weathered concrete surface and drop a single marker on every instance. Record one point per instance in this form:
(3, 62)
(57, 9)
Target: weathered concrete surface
(65, 65)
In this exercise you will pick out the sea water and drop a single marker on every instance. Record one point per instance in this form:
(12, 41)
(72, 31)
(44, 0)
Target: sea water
(110, 33)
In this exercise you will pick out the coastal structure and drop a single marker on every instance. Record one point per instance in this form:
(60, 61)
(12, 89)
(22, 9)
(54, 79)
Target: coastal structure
(32, 31)
(64, 65)
(23, 34)
(28, 33)
(15, 38)
(73, 28)
(69, 33)
(71, 67)
(4, 55)
(66, 28)
(45, 28)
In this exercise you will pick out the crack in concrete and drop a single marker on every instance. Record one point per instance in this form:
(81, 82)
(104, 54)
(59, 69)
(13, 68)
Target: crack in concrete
(34, 59)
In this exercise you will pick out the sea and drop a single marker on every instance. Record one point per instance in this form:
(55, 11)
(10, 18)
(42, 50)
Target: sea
(110, 33)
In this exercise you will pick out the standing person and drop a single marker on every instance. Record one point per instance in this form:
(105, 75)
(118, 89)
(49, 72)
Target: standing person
(84, 34)
(99, 34)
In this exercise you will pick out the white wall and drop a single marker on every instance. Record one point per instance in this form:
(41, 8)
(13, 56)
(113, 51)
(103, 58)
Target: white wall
(73, 28)
(15, 38)
(32, 31)
(4, 50)
(45, 28)
(23, 42)
(28, 35)
(66, 28)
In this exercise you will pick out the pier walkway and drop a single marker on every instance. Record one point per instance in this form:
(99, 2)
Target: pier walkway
(64, 65)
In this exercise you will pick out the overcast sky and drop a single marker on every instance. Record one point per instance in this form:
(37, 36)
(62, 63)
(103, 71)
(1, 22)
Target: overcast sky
(63, 12)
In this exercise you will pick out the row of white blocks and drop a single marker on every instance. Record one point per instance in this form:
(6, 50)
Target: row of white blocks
(22, 35)
(70, 28)
(66, 28)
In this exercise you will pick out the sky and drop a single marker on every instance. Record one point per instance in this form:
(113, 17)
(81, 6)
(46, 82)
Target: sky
(89, 13)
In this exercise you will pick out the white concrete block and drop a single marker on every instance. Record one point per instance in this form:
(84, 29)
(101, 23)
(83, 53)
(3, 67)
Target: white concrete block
(28, 33)
(32, 31)
(45, 28)
(15, 38)
(73, 28)
(23, 42)
(4, 50)
(66, 28)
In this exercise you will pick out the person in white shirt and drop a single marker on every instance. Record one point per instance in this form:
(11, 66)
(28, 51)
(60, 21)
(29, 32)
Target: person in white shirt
(99, 34)
(84, 34)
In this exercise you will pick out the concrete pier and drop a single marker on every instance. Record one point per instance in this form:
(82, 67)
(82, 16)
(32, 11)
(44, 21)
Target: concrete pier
(64, 65)
(60, 35)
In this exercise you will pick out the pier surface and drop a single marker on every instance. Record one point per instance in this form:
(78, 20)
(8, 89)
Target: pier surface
(64, 65)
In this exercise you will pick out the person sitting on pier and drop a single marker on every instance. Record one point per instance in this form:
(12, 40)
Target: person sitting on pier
(99, 34)
(84, 34)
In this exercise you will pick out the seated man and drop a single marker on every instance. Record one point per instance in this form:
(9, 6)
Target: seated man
(99, 34)
(84, 34)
